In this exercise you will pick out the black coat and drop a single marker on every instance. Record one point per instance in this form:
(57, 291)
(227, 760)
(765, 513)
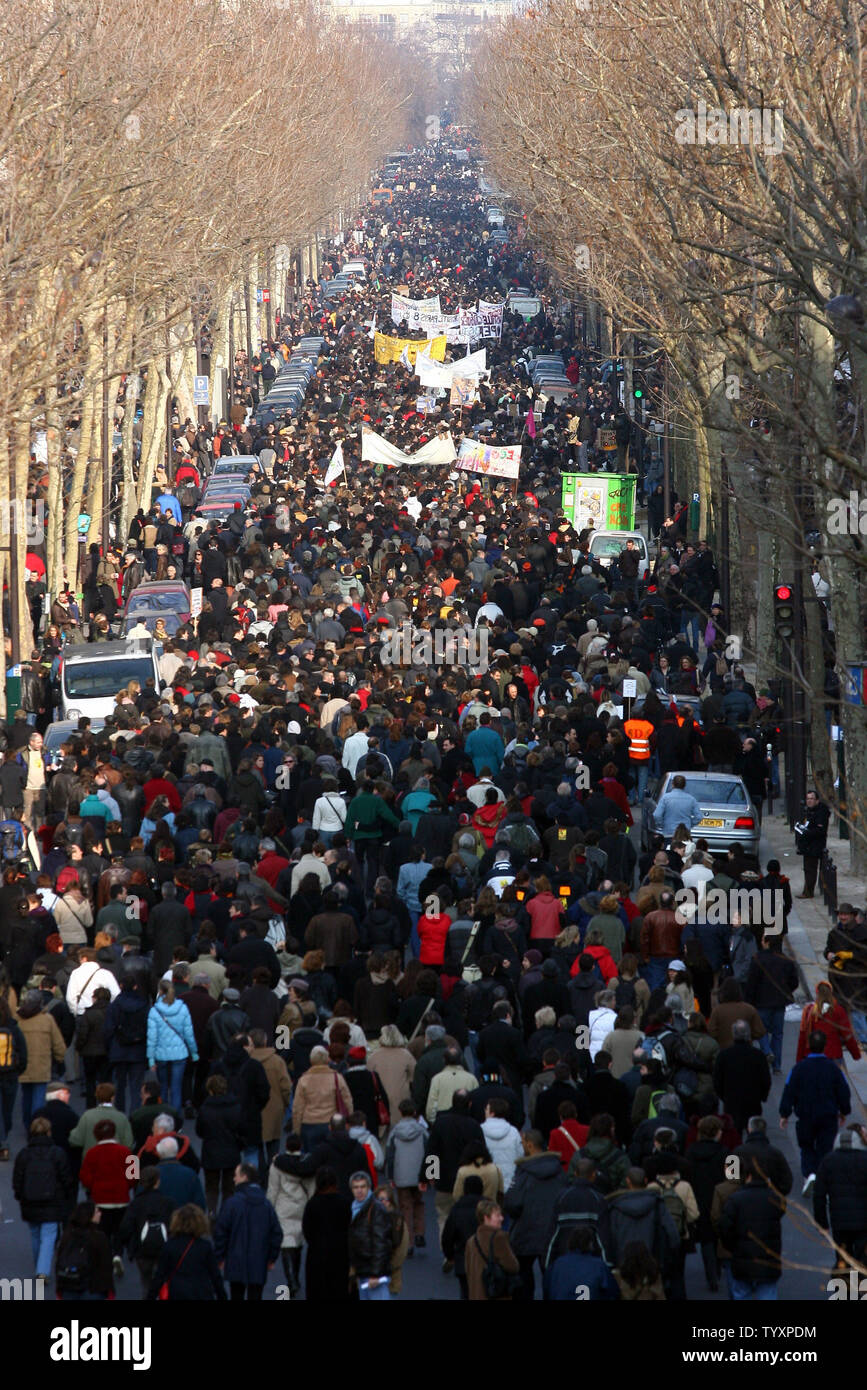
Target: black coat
(811, 841)
(249, 1084)
(362, 1087)
(127, 1011)
(708, 1160)
(771, 1162)
(532, 1200)
(579, 1203)
(169, 925)
(63, 1120)
(742, 1080)
(218, 1125)
(546, 1118)
(340, 1152)
(772, 980)
(325, 1227)
(461, 1225)
(371, 1241)
(750, 1226)
(151, 1206)
(196, 1279)
(840, 1193)
(503, 1044)
(42, 1181)
(449, 1136)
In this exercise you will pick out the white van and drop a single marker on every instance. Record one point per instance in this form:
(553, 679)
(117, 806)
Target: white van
(92, 675)
(605, 546)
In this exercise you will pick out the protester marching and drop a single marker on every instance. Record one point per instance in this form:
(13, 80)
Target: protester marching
(381, 937)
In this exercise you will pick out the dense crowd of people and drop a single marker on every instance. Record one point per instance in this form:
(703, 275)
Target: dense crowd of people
(381, 937)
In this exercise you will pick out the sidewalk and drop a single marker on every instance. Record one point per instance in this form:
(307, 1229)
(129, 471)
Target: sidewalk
(810, 921)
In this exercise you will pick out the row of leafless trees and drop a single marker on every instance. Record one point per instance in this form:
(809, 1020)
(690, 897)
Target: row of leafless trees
(149, 149)
(700, 168)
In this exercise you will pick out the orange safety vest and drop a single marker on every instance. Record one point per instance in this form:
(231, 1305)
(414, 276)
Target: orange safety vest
(638, 731)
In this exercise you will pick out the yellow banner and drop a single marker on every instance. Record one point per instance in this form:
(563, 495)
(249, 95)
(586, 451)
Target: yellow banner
(387, 349)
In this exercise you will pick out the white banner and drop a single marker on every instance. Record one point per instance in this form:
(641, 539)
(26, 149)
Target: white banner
(336, 466)
(482, 323)
(440, 374)
(528, 308)
(376, 449)
(502, 462)
(415, 313)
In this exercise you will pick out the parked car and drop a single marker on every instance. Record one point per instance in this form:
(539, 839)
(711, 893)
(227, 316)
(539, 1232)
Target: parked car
(728, 816)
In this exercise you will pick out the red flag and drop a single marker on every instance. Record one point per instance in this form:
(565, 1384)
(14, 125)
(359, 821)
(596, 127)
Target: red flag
(531, 423)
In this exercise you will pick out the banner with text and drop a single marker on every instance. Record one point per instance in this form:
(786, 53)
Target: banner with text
(387, 349)
(496, 462)
(411, 311)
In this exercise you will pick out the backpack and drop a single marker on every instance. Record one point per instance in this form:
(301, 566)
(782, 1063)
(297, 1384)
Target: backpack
(604, 1182)
(132, 1028)
(625, 995)
(721, 666)
(676, 1209)
(565, 1223)
(39, 1177)
(74, 1264)
(9, 1059)
(151, 1239)
(655, 1098)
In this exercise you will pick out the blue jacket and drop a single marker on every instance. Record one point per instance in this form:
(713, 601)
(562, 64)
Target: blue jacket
(170, 1033)
(486, 749)
(409, 880)
(675, 808)
(247, 1235)
(170, 503)
(816, 1090)
(574, 1271)
(180, 1184)
(413, 807)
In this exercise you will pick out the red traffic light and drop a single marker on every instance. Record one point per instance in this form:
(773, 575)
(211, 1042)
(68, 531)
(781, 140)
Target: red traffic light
(782, 593)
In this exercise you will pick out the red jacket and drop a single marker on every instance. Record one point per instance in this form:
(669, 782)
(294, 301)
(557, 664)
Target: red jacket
(544, 912)
(614, 791)
(603, 959)
(104, 1170)
(158, 786)
(270, 867)
(433, 933)
(486, 819)
(559, 1141)
(836, 1027)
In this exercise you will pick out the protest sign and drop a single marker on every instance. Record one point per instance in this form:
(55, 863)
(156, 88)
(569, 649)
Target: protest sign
(496, 462)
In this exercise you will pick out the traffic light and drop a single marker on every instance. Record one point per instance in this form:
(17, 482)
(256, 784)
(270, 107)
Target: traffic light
(784, 612)
(638, 391)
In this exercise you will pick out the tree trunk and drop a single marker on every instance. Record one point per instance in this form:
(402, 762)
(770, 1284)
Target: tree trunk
(54, 502)
(79, 473)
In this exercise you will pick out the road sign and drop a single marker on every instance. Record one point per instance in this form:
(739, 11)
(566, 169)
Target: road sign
(266, 296)
(201, 395)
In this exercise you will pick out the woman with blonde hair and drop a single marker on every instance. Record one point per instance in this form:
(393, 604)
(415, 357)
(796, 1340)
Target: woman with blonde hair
(827, 1015)
(394, 1064)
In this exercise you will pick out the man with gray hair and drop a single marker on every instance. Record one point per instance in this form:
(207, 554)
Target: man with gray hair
(741, 1076)
(177, 1182)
